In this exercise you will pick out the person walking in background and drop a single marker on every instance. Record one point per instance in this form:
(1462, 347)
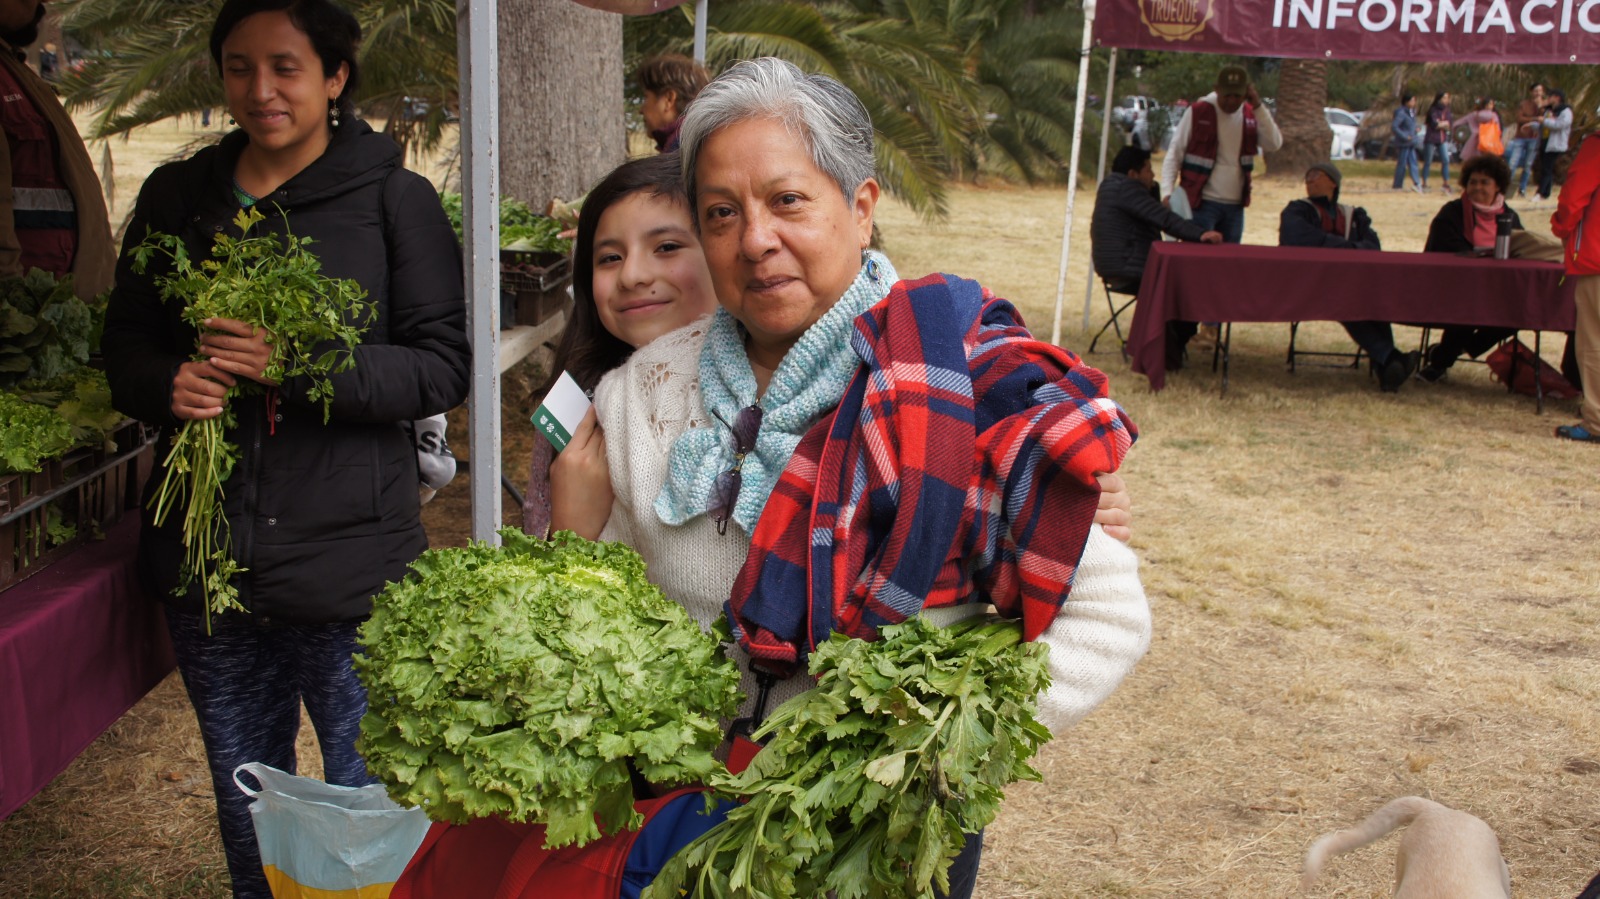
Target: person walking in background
(1211, 158)
(1436, 140)
(1558, 126)
(1577, 212)
(670, 82)
(1483, 128)
(1523, 149)
(52, 213)
(1403, 134)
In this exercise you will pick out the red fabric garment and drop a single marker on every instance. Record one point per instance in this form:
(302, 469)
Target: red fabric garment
(48, 237)
(493, 859)
(1332, 217)
(1577, 212)
(1479, 226)
(1201, 154)
(958, 467)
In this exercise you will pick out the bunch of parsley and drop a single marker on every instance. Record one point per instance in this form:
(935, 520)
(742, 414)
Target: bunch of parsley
(871, 779)
(522, 680)
(314, 324)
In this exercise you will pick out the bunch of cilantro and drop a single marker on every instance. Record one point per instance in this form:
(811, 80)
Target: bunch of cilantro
(45, 330)
(314, 324)
(522, 680)
(871, 780)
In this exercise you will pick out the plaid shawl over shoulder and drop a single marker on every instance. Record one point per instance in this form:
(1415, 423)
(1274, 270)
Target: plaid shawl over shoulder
(959, 467)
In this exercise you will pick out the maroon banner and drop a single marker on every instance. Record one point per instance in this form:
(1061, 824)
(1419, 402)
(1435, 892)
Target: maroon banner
(1503, 31)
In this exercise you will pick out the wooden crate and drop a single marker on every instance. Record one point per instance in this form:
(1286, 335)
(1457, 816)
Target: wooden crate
(88, 489)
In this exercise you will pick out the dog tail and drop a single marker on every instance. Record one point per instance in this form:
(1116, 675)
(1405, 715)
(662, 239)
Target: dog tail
(1396, 814)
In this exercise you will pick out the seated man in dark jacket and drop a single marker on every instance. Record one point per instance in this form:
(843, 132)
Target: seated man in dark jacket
(1320, 220)
(1128, 218)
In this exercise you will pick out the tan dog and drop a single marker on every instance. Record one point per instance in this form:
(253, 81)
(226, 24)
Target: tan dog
(1445, 854)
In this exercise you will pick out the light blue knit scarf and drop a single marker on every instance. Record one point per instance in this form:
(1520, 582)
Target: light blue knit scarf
(809, 381)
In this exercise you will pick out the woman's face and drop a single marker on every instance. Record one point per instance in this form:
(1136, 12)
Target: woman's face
(782, 242)
(275, 87)
(1444, 99)
(650, 275)
(1481, 188)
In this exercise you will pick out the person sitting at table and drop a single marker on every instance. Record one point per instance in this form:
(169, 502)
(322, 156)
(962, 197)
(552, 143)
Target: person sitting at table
(1319, 220)
(1466, 225)
(1128, 218)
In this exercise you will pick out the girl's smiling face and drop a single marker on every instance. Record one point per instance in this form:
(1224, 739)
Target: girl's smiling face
(650, 275)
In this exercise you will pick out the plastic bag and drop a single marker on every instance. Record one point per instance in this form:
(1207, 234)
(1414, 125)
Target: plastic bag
(321, 841)
(1489, 138)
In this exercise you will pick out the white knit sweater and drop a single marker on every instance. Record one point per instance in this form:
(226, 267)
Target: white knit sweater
(1102, 630)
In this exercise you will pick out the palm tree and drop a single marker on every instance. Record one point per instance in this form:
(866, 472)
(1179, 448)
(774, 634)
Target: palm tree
(1302, 93)
(154, 62)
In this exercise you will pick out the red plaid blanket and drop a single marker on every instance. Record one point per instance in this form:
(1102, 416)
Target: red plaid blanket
(959, 467)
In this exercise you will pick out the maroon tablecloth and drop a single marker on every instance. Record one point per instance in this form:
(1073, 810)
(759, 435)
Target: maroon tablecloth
(1235, 283)
(80, 643)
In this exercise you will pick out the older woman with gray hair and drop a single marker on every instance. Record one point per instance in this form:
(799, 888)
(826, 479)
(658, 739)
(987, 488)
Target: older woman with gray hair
(836, 449)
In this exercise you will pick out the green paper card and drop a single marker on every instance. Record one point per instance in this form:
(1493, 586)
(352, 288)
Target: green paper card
(561, 412)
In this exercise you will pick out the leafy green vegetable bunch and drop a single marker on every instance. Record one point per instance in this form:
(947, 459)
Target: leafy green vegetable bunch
(520, 227)
(82, 397)
(521, 680)
(45, 330)
(314, 323)
(871, 779)
(29, 434)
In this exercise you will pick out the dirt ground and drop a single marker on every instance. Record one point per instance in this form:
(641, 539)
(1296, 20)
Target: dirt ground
(1357, 596)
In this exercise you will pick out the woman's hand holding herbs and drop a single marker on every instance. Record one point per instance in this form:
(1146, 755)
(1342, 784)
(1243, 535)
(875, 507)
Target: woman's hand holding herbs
(238, 348)
(200, 391)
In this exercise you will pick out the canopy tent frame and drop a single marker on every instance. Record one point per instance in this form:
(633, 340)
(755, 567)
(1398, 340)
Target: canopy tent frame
(1559, 32)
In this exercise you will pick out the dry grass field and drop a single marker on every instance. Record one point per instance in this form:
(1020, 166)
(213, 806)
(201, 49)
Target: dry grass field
(1357, 596)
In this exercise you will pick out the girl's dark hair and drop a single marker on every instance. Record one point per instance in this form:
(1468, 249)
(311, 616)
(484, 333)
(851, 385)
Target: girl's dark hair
(334, 33)
(587, 349)
(1483, 102)
(1490, 164)
(1438, 99)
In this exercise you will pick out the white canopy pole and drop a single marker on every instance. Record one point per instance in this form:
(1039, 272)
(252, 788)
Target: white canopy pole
(478, 50)
(700, 31)
(1072, 168)
(1105, 139)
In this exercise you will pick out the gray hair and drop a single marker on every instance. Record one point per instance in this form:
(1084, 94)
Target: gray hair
(823, 113)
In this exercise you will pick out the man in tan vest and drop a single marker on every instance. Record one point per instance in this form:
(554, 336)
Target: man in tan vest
(52, 215)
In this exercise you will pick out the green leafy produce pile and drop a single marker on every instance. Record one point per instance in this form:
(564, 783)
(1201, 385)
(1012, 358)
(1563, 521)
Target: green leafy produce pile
(520, 227)
(521, 680)
(871, 779)
(29, 434)
(315, 323)
(82, 397)
(45, 330)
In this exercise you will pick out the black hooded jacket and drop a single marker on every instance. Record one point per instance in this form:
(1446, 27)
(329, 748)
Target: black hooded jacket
(322, 515)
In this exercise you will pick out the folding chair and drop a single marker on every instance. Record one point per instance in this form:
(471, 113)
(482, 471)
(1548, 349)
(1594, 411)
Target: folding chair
(1116, 311)
(1354, 358)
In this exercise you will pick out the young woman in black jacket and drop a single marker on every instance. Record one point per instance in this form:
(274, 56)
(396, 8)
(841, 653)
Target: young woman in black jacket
(322, 513)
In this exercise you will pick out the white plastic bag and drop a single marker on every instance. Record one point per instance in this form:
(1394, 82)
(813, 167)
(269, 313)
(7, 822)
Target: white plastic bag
(329, 842)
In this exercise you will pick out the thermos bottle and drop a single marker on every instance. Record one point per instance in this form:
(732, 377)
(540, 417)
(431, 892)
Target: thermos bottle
(1502, 236)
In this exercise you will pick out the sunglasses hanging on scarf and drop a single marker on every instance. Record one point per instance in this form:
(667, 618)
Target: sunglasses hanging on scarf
(725, 492)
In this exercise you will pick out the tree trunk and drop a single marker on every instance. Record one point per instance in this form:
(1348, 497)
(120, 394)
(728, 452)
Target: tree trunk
(561, 125)
(1302, 93)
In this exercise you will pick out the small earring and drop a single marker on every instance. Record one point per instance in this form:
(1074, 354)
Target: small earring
(231, 121)
(333, 114)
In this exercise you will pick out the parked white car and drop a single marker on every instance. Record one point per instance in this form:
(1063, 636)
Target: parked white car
(1345, 124)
